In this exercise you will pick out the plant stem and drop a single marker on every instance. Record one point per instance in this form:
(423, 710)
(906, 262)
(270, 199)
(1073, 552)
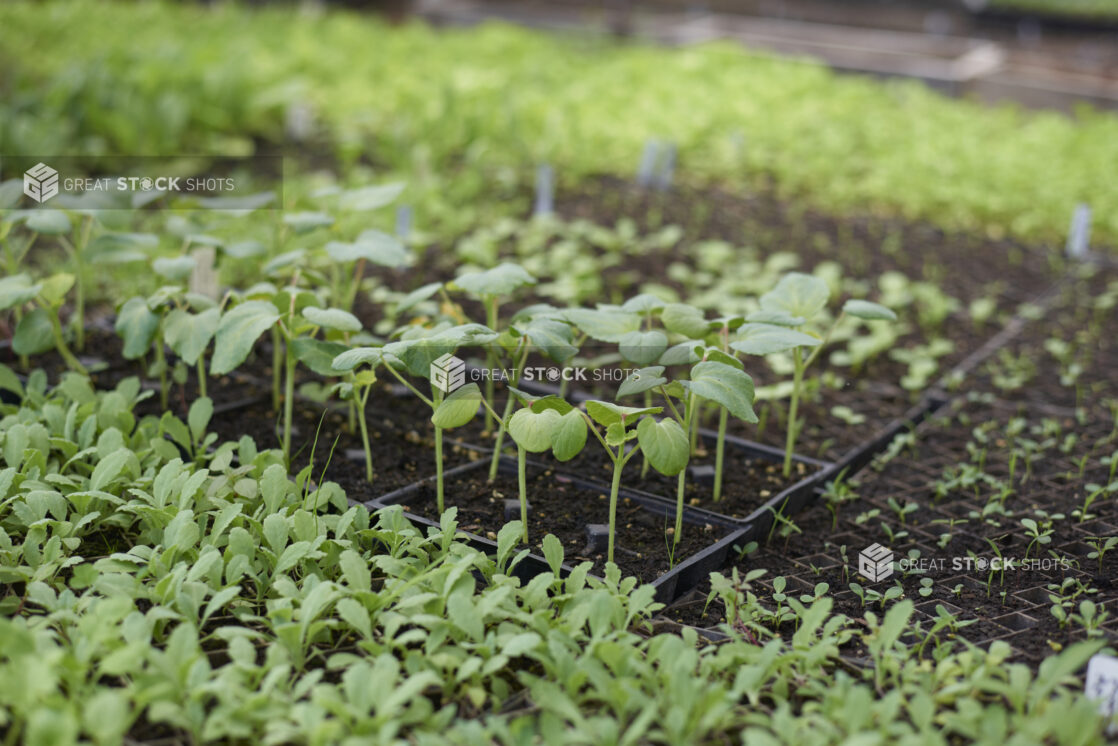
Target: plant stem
(79, 303)
(60, 342)
(797, 380)
(277, 364)
(161, 364)
(491, 357)
(439, 498)
(679, 508)
(719, 452)
(288, 399)
(501, 424)
(522, 480)
(201, 373)
(618, 463)
(365, 434)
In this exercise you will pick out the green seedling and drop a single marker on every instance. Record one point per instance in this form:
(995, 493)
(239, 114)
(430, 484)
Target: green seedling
(787, 311)
(40, 329)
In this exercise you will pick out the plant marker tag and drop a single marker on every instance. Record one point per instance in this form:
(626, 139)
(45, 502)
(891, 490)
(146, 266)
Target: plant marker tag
(1079, 235)
(1102, 686)
(403, 226)
(203, 278)
(667, 168)
(545, 191)
(647, 170)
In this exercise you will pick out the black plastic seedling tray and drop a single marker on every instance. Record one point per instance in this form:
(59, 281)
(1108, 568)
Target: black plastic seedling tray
(680, 579)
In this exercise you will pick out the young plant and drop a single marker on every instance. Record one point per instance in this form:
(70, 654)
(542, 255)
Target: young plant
(551, 424)
(793, 305)
(415, 353)
(663, 442)
(40, 329)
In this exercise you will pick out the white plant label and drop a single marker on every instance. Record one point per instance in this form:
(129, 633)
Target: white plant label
(1079, 235)
(667, 168)
(545, 191)
(649, 158)
(1102, 683)
(403, 222)
(203, 278)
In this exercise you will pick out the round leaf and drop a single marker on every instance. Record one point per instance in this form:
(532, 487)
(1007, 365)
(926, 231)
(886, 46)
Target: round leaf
(766, 339)
(332, 318)
(864, 309)
(797, 294)
(534, 431)
(458, 408)
(665, 445)
(238, 331)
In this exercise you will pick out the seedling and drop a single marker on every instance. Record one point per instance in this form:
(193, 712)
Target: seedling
(40, 329)
(1037, 533)
(663, 442)
(549, 423)
(786, 311)
(414, 353)
(1101, 546)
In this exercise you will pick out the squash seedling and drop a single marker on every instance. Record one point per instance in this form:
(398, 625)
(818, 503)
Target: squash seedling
(491, 286)
(348, 262)
(663, 442)
(40, 329)
(794, 303)
(549, 423)
(414, 353)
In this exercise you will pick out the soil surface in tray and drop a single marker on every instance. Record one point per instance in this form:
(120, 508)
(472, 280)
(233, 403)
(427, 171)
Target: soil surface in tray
(403, 453)
(747, 482)
(565, 509)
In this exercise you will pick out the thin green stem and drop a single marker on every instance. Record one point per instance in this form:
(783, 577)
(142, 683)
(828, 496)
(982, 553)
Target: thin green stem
(201, 373)
(439, 488)
(490, 321)
(793, 409)
(60, 343)
(288, 398)
(502, 421)
(411, 388)
(720, 452)
(277, 366)
(618, 464)
(679, 489)
(364, 397)
(161, 366)
(522, 481)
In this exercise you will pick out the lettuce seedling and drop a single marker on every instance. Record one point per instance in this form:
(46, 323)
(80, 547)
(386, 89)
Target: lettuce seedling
(781, 325)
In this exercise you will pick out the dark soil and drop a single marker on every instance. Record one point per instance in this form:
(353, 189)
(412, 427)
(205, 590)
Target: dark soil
(563, 508)
(747, 483)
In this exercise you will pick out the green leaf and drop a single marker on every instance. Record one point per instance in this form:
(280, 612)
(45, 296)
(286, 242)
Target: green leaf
(189, 334)
(797, 294)
(332, 318)
(372, 246)
(725, 385)
(120, 248)
(136, 324)
(665, 445)
(766, 339)
(238, 331)
(500, 281)
(689, 321)
(607, 413)
(553, 553)
(643, 348)
(569, 438)
(55, 288)
(777, 318)
(109, 468)
(645, 303)
(534, 431)
(603, 325)
(684, 353)
(553, 337)
(49, 222)
(305, 222)
(864, 309)
(17, 290)
(350, 359)
(370, 197)
(417, 296)
(176, 269)
(34, 334)
(642, 380)
(458, 408)
(198, 418)
(318, 355)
